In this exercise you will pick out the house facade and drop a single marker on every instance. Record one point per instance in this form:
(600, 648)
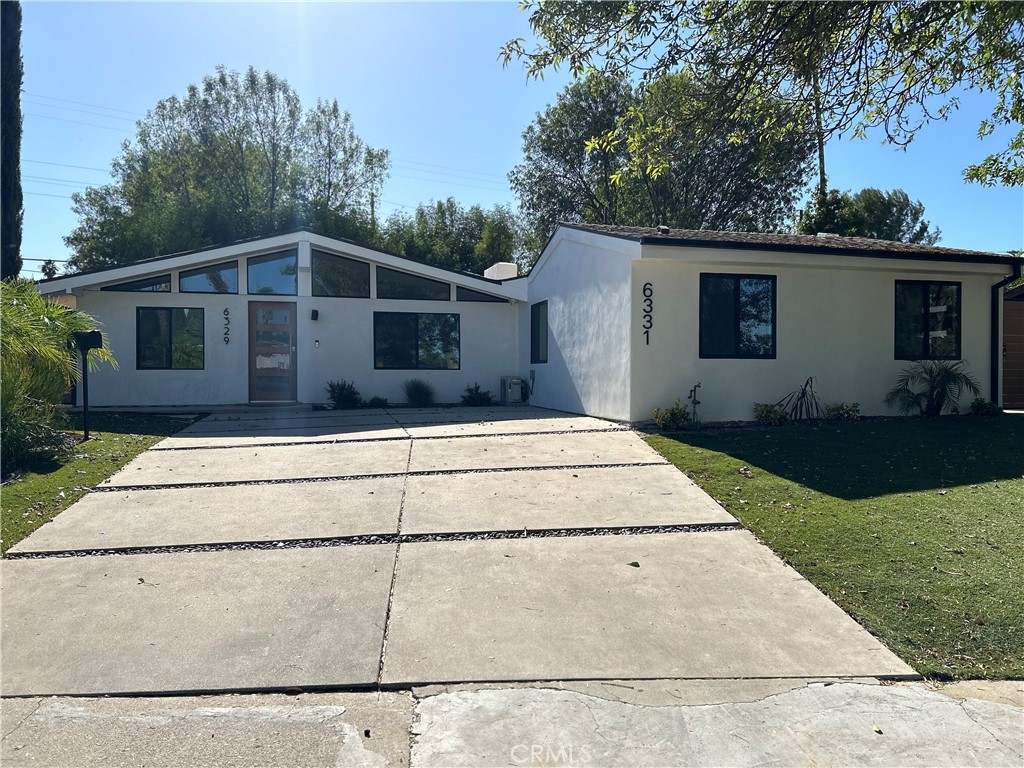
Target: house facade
(636, 317)
(611, 321)
(273, 320)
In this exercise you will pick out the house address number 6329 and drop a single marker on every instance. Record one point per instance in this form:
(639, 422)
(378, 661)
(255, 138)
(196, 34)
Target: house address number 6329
(648, 323)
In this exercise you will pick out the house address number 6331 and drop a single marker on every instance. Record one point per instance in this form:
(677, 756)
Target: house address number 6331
(648, 323)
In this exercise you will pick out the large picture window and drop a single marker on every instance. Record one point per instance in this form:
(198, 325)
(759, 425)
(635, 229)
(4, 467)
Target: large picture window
(737, 316)
(219, 278)
(338, 276)
(160, 284)
(927, 320)
(169, 338)
(392, 284)
(411, 340)
(275, 274)
(539, 332)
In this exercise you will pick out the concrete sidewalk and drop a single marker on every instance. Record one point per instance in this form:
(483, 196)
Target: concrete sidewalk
(613, 723)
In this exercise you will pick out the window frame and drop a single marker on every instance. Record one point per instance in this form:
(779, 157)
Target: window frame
(224, 265)
(925, 338)
(317, 253)
(379, 269)
(170, 328)
(737, 277)
(471, 295)
(535, 333)
(148, 285)
(458, 328)
(263, 258)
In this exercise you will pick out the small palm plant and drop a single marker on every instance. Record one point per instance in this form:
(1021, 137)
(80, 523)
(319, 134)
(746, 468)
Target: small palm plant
(39, 364)
(931, 388)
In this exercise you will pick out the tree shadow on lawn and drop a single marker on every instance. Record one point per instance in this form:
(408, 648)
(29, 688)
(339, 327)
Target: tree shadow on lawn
(875, 458)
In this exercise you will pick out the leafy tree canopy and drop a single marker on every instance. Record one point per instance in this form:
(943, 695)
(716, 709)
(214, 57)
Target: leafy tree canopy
(236, 157)
(448, 235)
(608, 153)
(869, 213)
(892, 65)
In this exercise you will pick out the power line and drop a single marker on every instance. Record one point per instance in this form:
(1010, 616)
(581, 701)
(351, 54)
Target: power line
(83, 111)
(44, 194)
(462, 170)
(81, 103)
(443, 181)
(55, 261)
(66, 165)
(56, 182)
(78, 122)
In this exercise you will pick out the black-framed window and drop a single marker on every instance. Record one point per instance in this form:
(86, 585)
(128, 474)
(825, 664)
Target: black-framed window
(159, 284)
(217, 278)
(927, 320)
(416, 340)
(169, 338)
(275, 274)
(539, 332)
(737, 316)
(468, 294)
(339, 276)
(392, 284)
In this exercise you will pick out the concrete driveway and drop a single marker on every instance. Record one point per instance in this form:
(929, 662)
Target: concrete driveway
(281, 549)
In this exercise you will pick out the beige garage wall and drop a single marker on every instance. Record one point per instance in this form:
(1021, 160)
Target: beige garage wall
(835, 320)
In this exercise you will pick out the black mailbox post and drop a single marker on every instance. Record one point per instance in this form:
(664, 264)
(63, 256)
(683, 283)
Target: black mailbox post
(86, 340)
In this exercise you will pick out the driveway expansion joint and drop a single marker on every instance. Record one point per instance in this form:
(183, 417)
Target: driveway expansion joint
(375, 476)
(407, 436)
(381, 538)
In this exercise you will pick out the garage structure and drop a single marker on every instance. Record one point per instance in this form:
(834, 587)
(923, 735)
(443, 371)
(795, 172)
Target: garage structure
(610, 322)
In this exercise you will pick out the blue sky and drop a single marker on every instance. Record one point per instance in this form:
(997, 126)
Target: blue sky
(420, 79)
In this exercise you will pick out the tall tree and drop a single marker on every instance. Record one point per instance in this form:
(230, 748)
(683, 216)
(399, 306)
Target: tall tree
(12, 72)
(236, 157)
(869, 213)
(445, 234)
(892, 64)
(605, 153)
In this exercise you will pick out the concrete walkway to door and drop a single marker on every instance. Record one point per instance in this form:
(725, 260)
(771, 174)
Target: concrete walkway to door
(277, 549)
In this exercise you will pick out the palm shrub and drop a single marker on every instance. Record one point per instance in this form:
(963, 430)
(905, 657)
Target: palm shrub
(932, 387)
(38, 365)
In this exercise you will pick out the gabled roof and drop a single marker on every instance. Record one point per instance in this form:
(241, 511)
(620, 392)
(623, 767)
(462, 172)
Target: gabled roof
(269, 244)
(764, 241)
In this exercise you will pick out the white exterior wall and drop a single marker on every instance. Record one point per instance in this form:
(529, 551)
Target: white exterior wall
(488, 341)
(223, 381)
(585, 279)
(488, 348)
(835, 322)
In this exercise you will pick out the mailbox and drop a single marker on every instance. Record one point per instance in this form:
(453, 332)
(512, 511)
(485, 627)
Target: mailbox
(87, 340)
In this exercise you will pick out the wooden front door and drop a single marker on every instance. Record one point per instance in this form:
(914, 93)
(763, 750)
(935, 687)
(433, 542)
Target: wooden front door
(272, 352)
(1013, 349)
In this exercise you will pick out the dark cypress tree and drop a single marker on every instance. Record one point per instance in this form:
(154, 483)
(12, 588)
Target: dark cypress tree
(12, 73)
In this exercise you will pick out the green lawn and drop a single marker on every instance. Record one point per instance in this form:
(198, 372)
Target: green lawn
(914, 527)
(47, 487)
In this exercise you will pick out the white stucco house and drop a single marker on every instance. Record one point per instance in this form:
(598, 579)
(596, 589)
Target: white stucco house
(611, 321)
